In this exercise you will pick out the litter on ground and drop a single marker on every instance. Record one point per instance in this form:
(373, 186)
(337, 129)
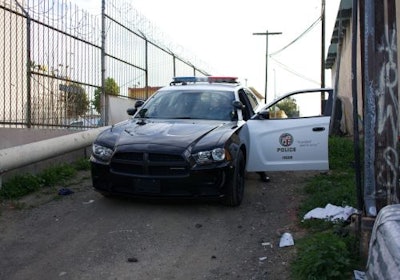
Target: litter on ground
(331, 213)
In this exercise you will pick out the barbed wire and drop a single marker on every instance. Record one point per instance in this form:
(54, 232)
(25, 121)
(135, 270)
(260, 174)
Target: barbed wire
(69, 18)
(135, 20)
(65, 17)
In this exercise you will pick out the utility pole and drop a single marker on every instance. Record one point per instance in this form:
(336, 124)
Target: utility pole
(323, 44)
(266, 34)
(322, 54)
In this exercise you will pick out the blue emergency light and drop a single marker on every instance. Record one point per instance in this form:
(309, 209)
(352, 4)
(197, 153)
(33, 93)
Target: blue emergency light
(209, 79)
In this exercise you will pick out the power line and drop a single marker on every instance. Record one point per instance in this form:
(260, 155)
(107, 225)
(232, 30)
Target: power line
(299, 37)
(288, 69)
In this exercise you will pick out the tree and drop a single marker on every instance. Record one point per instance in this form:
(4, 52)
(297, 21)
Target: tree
(289, 106)
(111, 88)
(77, 102)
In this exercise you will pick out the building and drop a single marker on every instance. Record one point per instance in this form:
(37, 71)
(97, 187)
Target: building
(383, 52)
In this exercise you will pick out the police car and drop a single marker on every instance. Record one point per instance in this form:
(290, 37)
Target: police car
(197, 137)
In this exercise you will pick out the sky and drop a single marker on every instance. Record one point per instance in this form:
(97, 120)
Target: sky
(220, 33)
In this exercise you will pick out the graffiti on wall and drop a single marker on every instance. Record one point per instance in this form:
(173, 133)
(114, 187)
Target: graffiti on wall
(387, 152)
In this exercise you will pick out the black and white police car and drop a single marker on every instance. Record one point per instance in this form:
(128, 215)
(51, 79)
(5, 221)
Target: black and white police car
(197, 137)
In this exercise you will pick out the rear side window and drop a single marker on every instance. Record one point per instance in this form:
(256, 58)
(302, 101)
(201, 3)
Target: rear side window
(252, 98)
(248, 109)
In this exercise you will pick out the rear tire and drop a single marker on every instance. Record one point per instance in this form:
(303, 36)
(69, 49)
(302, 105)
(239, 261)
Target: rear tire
(235, 187)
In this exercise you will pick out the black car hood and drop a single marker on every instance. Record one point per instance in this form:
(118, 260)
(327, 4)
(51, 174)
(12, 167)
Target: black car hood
(175, 133)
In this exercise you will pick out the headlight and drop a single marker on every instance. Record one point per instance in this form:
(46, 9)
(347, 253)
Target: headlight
(102, 152)
(215, 155)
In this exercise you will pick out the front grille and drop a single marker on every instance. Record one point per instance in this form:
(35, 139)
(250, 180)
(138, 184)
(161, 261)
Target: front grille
(164, 158)
(149, 164)
(128, 156)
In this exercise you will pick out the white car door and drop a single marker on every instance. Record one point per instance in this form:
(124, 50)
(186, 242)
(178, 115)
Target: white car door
(290, 133)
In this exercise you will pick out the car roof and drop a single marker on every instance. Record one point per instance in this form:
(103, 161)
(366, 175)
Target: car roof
(198, 86)
(203, 83)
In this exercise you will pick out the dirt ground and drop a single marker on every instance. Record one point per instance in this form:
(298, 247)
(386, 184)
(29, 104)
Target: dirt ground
(86, 236)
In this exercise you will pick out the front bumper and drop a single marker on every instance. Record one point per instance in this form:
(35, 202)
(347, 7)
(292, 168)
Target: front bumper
(202, 182)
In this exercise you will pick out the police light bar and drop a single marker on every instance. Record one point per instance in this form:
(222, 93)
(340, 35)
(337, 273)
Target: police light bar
(209, 79)
(189, 79)
(222, 79)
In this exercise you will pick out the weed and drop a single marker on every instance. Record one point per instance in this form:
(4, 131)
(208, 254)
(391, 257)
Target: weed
(22, 185)
(341, 153)
(19, 186)
(56, 174)
(82, 165)
(329, 250)
(323, 256)
(337, 188)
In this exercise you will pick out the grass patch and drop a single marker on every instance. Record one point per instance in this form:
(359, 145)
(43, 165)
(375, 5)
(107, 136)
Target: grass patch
(341, 154)
(324, 255)
(22, 185)
(330, 249)
(81, 165)
(338, 188)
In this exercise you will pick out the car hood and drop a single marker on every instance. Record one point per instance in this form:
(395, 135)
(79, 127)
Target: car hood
(177, 133)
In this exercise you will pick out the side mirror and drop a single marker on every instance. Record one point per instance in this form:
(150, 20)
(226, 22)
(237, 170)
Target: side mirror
(262, 115)
(237, 104)
(131, 111)
(139, 103)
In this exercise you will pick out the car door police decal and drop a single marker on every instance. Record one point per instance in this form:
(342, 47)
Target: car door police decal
(307, 144)
(286, 140)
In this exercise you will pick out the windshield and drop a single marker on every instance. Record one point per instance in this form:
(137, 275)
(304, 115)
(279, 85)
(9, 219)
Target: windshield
(190, 104)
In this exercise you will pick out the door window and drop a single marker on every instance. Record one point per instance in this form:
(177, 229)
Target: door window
(301, 105)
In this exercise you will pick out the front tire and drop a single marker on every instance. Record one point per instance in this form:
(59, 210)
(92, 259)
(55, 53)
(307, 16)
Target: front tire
(235, 186)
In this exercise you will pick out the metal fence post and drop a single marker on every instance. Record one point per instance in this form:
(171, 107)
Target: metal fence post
(103, 99)
(28, 66)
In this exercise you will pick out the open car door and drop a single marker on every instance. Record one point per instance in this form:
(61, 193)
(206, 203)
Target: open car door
(290, 133)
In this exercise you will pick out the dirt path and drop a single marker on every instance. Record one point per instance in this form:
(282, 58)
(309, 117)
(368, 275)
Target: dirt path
(86, 236)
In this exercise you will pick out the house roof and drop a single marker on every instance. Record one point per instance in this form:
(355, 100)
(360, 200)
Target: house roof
(259, 96)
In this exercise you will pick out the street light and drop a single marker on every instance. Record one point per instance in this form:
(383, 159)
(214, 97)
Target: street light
(266, 34)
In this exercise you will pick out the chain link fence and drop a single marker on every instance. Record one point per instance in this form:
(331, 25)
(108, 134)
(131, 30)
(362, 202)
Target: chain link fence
(59, 63)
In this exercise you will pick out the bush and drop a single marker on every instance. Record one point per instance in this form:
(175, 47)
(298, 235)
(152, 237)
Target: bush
(322, 256)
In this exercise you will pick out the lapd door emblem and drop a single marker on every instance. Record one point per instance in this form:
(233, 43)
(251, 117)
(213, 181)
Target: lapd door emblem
(286, 139)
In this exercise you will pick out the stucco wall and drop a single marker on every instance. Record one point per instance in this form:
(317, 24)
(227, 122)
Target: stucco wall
(344, 84)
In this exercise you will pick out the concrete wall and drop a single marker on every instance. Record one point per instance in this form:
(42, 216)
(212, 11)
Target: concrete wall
(117, 109)
(12, 137)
